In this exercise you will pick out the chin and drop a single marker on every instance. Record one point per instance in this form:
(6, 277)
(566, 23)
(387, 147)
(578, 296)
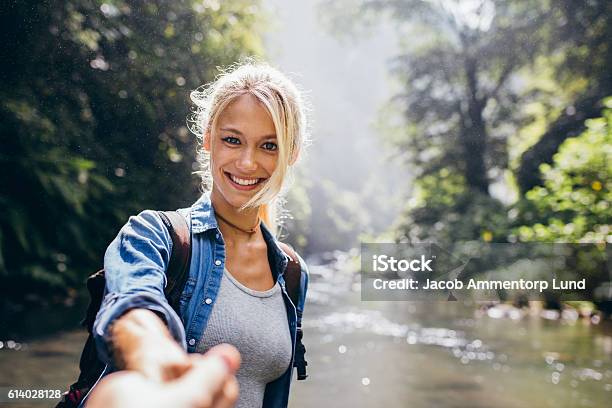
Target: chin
(235, 199)
(237, 202)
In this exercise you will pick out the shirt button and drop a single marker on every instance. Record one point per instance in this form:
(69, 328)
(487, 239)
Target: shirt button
(191, 342)
(217, 235)
(217, 262)
(208, 301)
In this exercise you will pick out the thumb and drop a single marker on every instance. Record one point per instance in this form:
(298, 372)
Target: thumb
(199, 386)
(230, 354)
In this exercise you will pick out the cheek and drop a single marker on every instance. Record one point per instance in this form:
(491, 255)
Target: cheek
(221, 156)
(270, 163)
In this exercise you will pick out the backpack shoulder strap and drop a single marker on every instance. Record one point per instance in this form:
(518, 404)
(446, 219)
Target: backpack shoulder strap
(293, 285)
(293, 274)
(180, 259)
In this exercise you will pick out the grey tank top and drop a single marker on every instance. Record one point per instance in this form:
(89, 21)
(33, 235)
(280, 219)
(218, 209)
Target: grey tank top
(255, 322)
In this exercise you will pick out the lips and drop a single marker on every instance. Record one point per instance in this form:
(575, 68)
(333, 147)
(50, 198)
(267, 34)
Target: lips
(244, 184)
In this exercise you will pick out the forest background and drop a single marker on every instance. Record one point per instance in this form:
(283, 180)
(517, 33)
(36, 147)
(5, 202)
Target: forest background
(499, 125)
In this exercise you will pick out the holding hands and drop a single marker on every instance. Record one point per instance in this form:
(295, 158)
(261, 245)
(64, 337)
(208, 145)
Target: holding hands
(158, 373)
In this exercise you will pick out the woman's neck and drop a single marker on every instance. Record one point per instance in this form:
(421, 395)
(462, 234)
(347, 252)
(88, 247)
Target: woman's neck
(235, 225)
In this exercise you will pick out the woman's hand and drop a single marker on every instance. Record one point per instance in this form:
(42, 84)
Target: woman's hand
(142, 343)
(209, 383)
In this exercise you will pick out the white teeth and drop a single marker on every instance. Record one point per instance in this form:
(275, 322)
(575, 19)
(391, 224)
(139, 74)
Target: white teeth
(243, 182)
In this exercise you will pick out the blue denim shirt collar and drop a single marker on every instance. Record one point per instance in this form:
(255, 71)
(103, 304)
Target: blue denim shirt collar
(203, 219)
(203, 215)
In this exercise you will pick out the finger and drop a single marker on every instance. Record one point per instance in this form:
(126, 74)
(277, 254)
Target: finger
(199, 386)
(229, 353)
(176, 369)
(117, 390)
(228, 396)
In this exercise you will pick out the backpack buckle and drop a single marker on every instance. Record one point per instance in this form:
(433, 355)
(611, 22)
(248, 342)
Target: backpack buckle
(300, 362)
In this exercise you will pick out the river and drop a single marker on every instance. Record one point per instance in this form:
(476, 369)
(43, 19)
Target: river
(392, 354)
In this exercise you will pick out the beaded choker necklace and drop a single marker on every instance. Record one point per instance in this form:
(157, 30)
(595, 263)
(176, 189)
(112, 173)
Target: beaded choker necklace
(231, 224)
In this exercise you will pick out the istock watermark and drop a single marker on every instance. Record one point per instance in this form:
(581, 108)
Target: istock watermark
(486, 272)
(383, 263)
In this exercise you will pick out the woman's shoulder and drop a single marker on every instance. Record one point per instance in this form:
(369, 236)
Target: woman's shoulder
(148, 220)
(288, 250)
(294, 255)
(147, 226)
(156, 220)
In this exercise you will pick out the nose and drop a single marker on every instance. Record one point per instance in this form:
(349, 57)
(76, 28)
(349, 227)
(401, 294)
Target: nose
(246, 161)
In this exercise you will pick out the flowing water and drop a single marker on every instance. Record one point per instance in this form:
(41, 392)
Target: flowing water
(419, 354)
(391, 354)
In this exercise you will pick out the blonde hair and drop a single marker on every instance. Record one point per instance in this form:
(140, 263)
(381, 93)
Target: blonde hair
(283, 101)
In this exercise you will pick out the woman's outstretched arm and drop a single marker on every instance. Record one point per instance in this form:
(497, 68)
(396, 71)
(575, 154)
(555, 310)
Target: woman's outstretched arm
(140, 341)
(135, 264)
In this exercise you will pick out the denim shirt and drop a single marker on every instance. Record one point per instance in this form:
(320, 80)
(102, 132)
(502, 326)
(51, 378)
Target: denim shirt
(135, 264)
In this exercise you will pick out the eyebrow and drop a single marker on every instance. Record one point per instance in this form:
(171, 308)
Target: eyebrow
(236, 131)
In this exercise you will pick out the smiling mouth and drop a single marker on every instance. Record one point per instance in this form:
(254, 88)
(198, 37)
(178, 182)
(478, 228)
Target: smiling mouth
(244, 183)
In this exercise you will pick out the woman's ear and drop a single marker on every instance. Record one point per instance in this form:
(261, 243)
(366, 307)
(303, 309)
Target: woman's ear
(206, 142)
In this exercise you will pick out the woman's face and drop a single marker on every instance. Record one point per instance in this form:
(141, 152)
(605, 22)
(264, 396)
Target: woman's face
(243, 150)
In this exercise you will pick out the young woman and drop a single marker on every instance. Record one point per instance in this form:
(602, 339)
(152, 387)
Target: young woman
(252, 126)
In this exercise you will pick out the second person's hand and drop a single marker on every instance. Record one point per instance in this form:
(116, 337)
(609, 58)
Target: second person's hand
(209, 383)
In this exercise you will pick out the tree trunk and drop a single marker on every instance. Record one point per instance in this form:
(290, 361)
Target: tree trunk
(566, 126)
(473, 134)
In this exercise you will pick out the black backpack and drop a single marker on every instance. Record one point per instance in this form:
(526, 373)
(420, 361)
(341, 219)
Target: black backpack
(176, 275)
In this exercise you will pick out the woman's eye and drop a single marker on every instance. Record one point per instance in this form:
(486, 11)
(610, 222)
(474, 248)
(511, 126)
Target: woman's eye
(231, 140)
(270, 146)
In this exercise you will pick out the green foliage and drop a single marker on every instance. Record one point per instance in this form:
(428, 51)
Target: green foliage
(296, 226)
(93, 105)
(444, 210)
(572, 206)
(484, 79)
(574, 203)
(457, 96)
(575, 62)
(489, 92)
(344, 215)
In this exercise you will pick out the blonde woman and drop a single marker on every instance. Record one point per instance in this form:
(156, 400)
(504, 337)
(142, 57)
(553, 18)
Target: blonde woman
(252, 127)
